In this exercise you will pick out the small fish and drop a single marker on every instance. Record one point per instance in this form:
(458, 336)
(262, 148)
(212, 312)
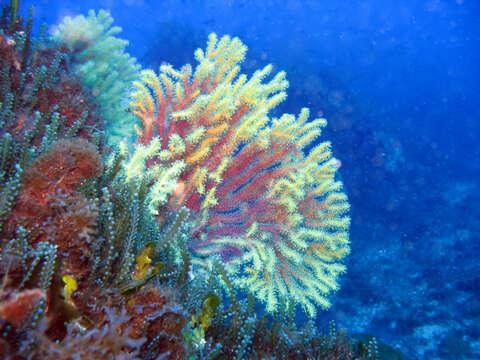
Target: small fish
(70, 286)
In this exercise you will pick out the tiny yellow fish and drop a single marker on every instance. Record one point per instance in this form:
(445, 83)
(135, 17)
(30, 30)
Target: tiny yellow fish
(70, 286)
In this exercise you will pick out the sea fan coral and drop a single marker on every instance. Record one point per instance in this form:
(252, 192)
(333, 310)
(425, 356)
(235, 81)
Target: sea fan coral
(261, 202)
(99, 58)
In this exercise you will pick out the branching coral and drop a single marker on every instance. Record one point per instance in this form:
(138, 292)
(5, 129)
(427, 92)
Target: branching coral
(273, 213)
(105, 68)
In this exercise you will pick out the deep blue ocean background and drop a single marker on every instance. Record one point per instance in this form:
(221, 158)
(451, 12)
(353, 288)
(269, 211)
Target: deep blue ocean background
(399, 83)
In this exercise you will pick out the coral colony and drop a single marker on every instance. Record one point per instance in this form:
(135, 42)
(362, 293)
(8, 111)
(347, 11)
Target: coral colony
(202, 238)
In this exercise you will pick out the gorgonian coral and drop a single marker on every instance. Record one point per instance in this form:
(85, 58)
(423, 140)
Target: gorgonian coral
(104, 67)
(262, 203)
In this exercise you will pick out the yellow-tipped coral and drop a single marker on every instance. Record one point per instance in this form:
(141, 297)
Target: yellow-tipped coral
(270, 209)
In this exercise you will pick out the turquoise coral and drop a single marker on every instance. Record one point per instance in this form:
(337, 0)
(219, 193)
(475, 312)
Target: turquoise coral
(99, 57)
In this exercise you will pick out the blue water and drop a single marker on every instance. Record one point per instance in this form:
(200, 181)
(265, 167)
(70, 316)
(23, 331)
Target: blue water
(399, 83)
